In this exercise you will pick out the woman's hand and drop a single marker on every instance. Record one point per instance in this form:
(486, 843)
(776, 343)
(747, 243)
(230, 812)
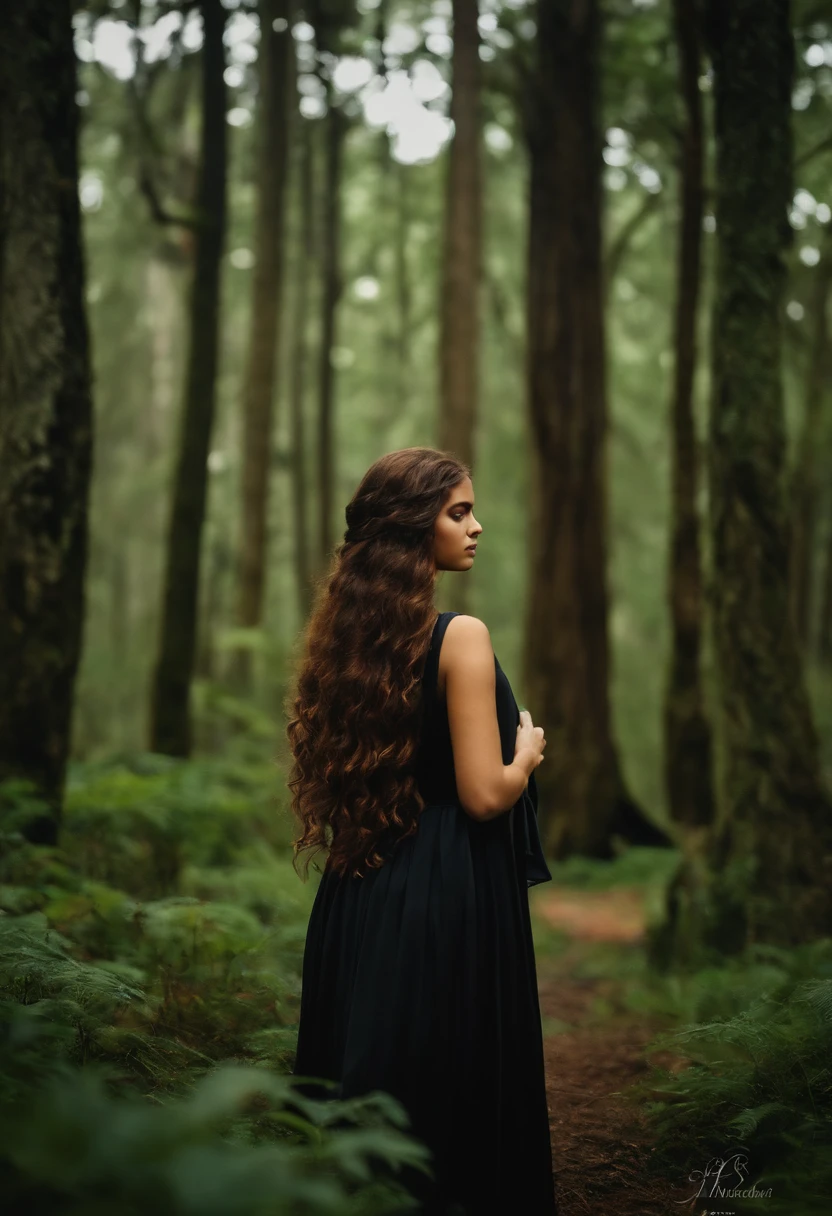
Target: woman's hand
(530, 737)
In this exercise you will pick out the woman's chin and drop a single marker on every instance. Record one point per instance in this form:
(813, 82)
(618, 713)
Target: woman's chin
(458, 565)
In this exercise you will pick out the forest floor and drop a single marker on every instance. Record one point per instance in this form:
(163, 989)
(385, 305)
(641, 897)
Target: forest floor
(594, 1048)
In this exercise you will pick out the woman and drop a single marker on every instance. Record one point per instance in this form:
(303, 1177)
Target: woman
(415, 769)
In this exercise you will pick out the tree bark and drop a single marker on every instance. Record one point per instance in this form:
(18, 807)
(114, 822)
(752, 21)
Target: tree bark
(461, 246)
(300, 319)
(687, 736)
(804, 488)
(772, 855)
(567, 662)
(825, 614)
(170, 724)
(46, 425)
(336, 124)
(264, 326)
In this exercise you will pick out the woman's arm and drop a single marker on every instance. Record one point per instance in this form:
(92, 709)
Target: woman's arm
(485, 785)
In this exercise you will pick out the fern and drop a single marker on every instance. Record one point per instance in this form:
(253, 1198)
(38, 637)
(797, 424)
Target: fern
(73, 1147)
(160, 941)
(748, 1121)
(763, 1078)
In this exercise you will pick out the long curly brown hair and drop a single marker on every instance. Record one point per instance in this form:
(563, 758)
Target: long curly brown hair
(355, 705)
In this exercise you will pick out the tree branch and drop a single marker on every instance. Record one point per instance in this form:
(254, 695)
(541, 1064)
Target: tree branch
(147, 142)
(825, 145)
(620, 244)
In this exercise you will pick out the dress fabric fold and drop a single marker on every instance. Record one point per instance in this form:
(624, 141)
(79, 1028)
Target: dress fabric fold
(419, 979)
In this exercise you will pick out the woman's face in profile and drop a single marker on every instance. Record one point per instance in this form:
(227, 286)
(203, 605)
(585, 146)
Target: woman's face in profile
(456, 529)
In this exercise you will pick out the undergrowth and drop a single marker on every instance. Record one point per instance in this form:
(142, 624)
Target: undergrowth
(149, 992)
(750, 1082)
(738, 1084)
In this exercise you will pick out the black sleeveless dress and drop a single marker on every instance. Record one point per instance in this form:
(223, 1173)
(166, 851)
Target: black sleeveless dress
(419, 979)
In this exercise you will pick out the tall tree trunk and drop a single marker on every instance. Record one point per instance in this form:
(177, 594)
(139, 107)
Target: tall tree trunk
(264, 322)
(461, 246)
(773, 845)
(567, 662)
(46, 437)
(404, 299)
(170, 724)
(825, 613)
(459, 330)
(687, 736)
(335, 130)
(804, 489)
(300, 319)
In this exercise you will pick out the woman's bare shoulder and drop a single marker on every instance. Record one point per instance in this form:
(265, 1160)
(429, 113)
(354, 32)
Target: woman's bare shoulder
(466, 632)
(465, 646)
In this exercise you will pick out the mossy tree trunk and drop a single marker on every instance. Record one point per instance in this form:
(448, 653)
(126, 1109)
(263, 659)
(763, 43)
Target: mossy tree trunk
(260, 376)
(687, 736)
(170, 722)
(804, 499)
(583, 795)
(825, 611)
(46, 436)
(772, 850)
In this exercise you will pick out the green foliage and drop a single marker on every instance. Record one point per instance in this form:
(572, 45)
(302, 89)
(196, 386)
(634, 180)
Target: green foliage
(35, 965)
(758, 1077)
(216, 963)
(241, 1142)
(634, 867)
(149, 982)
(102, 1012)
(136, 824)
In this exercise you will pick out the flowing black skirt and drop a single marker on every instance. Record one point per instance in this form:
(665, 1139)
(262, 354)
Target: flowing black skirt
(419, 979)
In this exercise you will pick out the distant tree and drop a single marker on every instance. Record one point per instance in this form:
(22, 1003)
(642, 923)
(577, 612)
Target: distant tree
(329, 19)
(304, 243)
(567, 661)
(46, 435)
(461, 243)
(260, 376)
(404, 288)
(687, 736)
(170, 721)
(459, 311)
(772, 851)
(388, 242)
(332, 286)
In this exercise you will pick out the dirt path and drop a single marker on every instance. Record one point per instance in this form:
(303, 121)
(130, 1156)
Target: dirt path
(600, 1142)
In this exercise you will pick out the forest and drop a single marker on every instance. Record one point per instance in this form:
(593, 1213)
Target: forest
(246, 248)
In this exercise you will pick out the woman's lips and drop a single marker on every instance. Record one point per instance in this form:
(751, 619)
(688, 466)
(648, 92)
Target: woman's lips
(471, 549)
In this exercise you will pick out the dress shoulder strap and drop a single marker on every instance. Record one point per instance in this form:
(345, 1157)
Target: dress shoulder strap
(432, 664)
